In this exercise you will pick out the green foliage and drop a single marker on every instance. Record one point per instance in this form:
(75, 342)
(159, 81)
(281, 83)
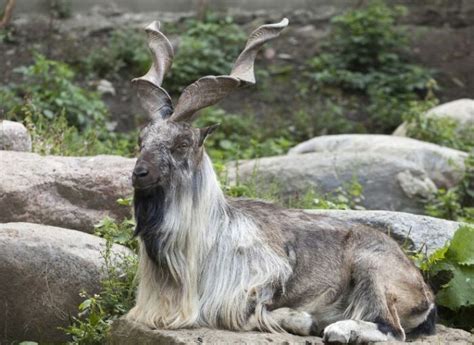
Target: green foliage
(329, 118)
(456, 203)
(118, 233)
(439, 130)
(363, 58)
(48, 89)
(126, 49)
(451, 271)
(56, 137)
(7, 35)
(63, 118)
(348, 196)
(61, 9)
(117, 295)
(240, 137)
(207, 47)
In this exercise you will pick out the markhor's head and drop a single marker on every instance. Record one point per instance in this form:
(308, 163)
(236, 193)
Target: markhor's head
(170, 148)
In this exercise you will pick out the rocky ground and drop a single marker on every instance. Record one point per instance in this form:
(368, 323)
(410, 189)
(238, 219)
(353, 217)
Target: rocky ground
(128, 333)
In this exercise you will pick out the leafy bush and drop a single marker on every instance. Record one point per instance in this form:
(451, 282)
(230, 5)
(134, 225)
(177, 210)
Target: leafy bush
(56, 137)
(48, 89)
(240, 137)
(125, 49)
(63, 118)
(347, 197)
(7, 35)
(438, 130)
(207, 47)
(456, 203)
(451, 271)
(363, 58)
(61, 9)
(117, 295)
(326, 117)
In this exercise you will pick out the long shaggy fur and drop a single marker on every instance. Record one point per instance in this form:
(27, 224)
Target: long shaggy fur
(203, 263)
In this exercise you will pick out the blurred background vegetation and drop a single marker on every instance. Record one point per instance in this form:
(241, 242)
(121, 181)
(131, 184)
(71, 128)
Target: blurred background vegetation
(361, 77)
(357, 71)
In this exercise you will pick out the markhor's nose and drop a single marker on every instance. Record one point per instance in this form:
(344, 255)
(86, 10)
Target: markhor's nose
(140, 171)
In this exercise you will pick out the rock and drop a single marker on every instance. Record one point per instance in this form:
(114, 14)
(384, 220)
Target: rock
(14, 136)
(71, 192)
(42, 271)
(125, 332)
(384, 188)
(461, 111)
(444, 166)
(408, 229)
(105, 87)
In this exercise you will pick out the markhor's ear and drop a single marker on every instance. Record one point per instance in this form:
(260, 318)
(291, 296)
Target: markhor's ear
(204, 132)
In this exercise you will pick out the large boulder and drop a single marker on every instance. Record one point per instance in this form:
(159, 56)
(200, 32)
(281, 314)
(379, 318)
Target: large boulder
(388, 183)
(42, 271)
(125, 332)
(444, 166)
(461, 111)
(14, 136)
(71, 192)
(410, 230)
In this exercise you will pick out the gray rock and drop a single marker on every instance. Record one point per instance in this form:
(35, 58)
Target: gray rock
(42, 271)
(129, 333)
(71, 192)
(14, 136)
(126, 332)
(461, 111)
(379, 174)
(413, 230)
(444, 166)
(105, 87)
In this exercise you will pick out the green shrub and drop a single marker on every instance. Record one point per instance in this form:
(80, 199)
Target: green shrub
(48, 90)
(451, 271)
(240, 137)
(57, 137)
(7, 35)
(117, 295)
(347, 197)
(437, 130)
(207, 47)
(63, 118)
(125, 49)
(61, 9)
(456, 203)
(324, 118)
(363, 57)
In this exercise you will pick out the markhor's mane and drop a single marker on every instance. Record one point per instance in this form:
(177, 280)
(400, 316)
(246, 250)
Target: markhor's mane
(202, 261)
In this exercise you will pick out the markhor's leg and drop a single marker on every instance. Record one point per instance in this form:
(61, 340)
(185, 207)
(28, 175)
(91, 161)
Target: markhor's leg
(356, 331)
(293, 321)
(285, 319)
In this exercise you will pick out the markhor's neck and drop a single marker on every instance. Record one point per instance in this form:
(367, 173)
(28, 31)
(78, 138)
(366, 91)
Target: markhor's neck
(173, 217)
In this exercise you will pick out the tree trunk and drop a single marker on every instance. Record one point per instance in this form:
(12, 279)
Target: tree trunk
(7, 14)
